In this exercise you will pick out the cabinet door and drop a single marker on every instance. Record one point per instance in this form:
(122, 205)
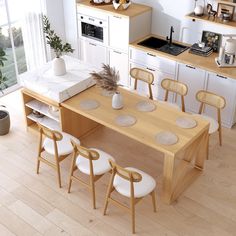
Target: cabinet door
(226, 88)
(194, 78)
(158, 92)
(93, 53)
(119, 32)
(119, 60)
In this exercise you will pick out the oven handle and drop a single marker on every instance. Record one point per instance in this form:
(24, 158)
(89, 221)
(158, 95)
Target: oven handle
(92, 21)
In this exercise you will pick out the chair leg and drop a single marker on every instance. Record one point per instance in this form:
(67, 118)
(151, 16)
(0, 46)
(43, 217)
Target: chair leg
(207, 157)
(153, 194)
(220, 136)
(109, 191)
(93, 196)
(58, 174)
(70, 182)
(133, 215)
(38, 165)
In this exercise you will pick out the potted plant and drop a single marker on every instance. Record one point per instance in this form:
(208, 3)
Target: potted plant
(57, 45)
(108, 80)
(2, 77)
(4, 121)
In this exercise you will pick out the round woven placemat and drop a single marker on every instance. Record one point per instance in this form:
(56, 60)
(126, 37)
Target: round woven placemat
(125, 120)
(89, 104)
(186, 122)
(166, 138)
(145, 106)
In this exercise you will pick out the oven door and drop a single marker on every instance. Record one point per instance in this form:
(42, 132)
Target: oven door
(93, 29)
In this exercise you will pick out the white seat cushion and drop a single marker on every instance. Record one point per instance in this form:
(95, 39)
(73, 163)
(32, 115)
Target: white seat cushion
(173, 105)
(100, 166)
(141, 189)
(214, 125)
(64, 146)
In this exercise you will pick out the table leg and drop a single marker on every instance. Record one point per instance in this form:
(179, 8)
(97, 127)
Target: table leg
(202, 151)
(168, 174)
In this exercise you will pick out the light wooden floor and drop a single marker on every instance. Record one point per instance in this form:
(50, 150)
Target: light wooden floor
(32, 204)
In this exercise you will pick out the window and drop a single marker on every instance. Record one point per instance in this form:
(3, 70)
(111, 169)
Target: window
(11, 40)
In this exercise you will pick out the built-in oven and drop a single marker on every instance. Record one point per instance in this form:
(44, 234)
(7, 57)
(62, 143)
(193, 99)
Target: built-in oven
(93, 29)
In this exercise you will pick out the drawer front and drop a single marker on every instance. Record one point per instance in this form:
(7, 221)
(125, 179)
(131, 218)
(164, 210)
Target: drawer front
(149, 59)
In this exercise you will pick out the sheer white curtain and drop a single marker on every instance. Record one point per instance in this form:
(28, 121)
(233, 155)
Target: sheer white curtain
(32, 29)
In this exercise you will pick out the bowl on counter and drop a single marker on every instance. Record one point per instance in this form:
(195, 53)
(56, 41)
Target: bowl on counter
(121, 6)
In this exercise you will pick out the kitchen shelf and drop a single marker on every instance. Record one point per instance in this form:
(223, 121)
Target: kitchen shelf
(231, 24)
(45, 121)
(229, 2)
(43, 109)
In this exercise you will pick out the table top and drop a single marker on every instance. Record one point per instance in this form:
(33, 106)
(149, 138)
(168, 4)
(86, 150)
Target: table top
(59, 88)
(148, 124)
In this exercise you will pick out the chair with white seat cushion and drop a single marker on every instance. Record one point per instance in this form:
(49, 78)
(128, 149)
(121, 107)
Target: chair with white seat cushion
(142, 75)
(55, 143)
(92, 162)
(132, 183)
(213, 100)
(177, 87)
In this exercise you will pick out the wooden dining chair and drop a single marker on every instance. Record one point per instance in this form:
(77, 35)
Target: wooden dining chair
(92, 162)
(170, 85)
(216, 101)
(142, 75)
(132, 183)
(56, 144)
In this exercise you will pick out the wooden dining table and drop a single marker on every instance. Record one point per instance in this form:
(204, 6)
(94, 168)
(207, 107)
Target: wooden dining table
(183, 161)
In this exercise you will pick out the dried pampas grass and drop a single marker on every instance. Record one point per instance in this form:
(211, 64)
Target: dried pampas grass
(107, 79)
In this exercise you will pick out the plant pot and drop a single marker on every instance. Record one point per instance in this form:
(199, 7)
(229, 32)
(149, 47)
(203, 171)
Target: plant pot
(4, 122)
(58, 66)
(117, 101)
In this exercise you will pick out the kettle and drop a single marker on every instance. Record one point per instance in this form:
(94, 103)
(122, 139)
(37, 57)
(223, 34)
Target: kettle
(198, 9)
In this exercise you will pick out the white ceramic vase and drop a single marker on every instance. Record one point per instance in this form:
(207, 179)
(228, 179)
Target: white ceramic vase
(117, 101)
(59, 66)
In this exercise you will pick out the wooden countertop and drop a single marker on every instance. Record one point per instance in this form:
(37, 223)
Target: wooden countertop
(133, 10)
(206, 63)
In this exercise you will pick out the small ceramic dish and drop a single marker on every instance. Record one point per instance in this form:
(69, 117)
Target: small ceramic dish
(119, 6)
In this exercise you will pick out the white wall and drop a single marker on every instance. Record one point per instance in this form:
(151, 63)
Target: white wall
(168, 13)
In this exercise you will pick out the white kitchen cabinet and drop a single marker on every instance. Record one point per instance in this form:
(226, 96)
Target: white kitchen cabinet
(226, 88)
(158, 92)
(195, 79)
(93, 53)
(119, 32)
(124, 30)
(152, 60)
(119, 61)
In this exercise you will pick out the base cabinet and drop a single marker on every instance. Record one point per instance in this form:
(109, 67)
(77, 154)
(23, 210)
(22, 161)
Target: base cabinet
(225, 87)
(119, 61)
(195, 79)
(142, 88)
(93, 53)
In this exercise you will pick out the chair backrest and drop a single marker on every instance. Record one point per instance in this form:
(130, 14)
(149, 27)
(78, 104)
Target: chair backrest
(211, 99)
(174, 86)
(124, 173)
(85, 152)
(51, 134)
(143, 75)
